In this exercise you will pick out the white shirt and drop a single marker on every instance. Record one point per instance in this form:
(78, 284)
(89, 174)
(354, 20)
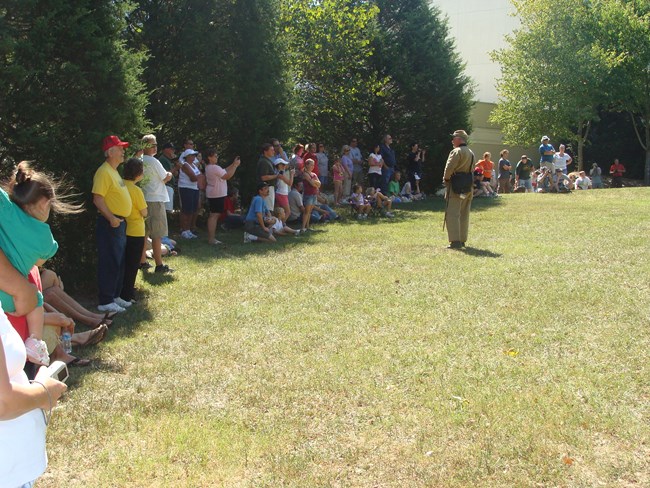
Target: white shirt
(375, 169)
(582, 183)
(560, 160)
(184, 180)
(22, 440)
(153, 185)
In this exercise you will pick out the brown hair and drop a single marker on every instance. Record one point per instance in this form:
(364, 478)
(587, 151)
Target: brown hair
(27, 186)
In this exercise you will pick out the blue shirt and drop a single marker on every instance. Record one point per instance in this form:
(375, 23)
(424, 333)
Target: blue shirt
(546, 158)
(257, 205)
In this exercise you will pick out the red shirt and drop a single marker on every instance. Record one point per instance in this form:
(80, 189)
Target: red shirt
(617, 170)
(228, 206)
(314, 158)
(20, 323)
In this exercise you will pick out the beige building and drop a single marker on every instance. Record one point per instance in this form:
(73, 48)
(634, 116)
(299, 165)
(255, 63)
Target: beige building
(479, 27)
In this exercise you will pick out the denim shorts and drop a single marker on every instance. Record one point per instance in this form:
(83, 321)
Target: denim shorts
(309, 200)
(525, 183)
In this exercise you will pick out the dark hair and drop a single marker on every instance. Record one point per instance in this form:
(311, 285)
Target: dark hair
(132, 169)
(27, 186)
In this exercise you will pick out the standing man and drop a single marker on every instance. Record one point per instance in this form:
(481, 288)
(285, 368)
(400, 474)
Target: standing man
(616, 170)
(156, 196)
(460, 160)
(388, 155)
(266, 174)
(170, 162)
(113, 201)
(278, 152)
(561, 159)
(357, 162)
(546, 152)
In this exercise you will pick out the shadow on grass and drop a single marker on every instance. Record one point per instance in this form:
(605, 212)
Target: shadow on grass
(233, 247)
(481, 253)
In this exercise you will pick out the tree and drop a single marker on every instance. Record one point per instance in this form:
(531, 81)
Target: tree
(624, 45)
(328, 44)
(554, 80)
(425, 95)
(67, 81)
(214, 73)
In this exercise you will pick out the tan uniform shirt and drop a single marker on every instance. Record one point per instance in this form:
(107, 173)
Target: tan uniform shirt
(460, 160)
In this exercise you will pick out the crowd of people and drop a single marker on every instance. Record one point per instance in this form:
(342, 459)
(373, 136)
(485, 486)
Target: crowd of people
(551, 175)
(132, 226)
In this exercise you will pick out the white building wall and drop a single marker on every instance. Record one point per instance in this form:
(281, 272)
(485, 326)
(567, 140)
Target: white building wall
(478, 27)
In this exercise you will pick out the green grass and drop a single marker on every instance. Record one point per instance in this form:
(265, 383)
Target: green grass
(368, 355)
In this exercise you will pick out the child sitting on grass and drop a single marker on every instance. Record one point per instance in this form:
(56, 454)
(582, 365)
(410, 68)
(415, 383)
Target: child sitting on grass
(359, 203)
(379, 200)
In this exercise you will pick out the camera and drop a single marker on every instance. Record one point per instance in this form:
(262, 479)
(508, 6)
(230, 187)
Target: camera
(58, 370)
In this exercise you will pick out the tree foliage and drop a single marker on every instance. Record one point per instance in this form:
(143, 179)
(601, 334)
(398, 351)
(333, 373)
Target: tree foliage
(624, 45)
(213, 73)
(425, 95)
(328, 47)
(554, 80)
(67, 80)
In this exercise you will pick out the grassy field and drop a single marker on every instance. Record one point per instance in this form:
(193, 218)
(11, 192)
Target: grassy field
(368, 355)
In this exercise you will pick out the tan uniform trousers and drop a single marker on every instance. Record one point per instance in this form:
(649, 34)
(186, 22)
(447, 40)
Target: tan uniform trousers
(458, 216)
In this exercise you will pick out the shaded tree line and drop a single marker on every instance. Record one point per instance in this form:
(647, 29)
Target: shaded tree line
(229, 74)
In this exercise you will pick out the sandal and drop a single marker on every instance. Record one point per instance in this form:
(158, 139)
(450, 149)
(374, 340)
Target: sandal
(95, 336)
(78, 362)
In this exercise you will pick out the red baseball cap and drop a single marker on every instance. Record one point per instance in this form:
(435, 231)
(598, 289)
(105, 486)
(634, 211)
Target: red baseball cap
(111, 141)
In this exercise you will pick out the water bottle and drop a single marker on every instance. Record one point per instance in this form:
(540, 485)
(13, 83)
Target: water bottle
(66, 342)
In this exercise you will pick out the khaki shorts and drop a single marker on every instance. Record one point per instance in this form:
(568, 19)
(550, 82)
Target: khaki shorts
(156, 221)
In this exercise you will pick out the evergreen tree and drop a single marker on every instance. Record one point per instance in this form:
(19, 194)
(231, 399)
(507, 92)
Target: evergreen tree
(426, 96)
(328, 45)
(213, 74)
(67, 81)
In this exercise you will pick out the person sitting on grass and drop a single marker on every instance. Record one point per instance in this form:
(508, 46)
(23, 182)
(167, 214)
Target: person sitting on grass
(359, 203)
(378, 200)
(561, 182)
(393, 187)
(544, 180)
(326, 212)
(280, 227)
(258, 220)
(582, 182)
(231, 217)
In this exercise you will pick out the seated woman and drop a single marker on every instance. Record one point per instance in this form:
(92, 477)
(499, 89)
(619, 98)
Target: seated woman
(54, 295)
(378, 200)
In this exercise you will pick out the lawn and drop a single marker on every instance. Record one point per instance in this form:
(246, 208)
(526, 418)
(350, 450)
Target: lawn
(368, 355)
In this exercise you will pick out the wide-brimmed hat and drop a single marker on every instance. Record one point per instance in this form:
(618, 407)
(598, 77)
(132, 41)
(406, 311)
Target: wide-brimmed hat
(460, 133)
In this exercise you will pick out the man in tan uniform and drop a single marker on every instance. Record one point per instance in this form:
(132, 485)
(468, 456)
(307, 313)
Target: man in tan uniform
(460, 160)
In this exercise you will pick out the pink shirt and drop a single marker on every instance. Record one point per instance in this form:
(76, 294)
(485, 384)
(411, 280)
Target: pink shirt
(217, 186)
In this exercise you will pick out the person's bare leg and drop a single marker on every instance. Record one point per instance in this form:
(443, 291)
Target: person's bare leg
(67, 305)
(212, 227)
